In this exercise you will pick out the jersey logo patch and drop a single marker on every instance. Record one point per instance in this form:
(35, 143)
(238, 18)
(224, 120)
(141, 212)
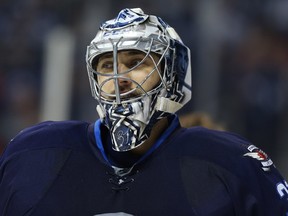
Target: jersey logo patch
(258, 154)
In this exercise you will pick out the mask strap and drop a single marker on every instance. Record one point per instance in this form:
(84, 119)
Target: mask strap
(166, 105)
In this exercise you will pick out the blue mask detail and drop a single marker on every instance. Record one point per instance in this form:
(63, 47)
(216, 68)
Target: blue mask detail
(124, 18)
(123, 130)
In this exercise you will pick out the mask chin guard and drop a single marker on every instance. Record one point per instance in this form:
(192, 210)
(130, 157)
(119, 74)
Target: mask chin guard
(126, 123)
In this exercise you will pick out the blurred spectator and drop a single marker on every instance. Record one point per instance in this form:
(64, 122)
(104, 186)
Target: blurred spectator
(23, 29)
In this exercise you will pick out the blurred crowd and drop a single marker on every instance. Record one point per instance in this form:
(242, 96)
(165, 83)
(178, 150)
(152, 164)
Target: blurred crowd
(250, 48)
(24, 25)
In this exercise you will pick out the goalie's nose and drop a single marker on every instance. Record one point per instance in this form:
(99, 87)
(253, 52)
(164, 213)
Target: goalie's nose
(124, 80)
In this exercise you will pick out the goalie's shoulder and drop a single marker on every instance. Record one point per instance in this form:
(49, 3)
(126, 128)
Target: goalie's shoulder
(48, 134)
(228, 150)
(214, 141)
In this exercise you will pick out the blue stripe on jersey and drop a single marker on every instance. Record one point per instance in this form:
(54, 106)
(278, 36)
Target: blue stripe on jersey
(97, 134)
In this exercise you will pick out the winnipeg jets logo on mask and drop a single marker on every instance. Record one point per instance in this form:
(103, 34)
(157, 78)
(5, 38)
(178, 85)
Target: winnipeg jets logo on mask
(124, 18)
(124, 134)
(124, 131)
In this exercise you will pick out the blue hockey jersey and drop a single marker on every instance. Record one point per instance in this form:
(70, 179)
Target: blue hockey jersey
(63, 168)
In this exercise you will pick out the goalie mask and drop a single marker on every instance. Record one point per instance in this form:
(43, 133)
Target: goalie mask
(139, 72)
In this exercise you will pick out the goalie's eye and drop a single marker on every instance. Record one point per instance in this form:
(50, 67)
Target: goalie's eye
(105, 66)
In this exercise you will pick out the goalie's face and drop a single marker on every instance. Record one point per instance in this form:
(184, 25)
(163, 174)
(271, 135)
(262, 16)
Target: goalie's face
(130, 74)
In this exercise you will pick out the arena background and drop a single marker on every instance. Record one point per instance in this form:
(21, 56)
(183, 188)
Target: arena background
(239, 58)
